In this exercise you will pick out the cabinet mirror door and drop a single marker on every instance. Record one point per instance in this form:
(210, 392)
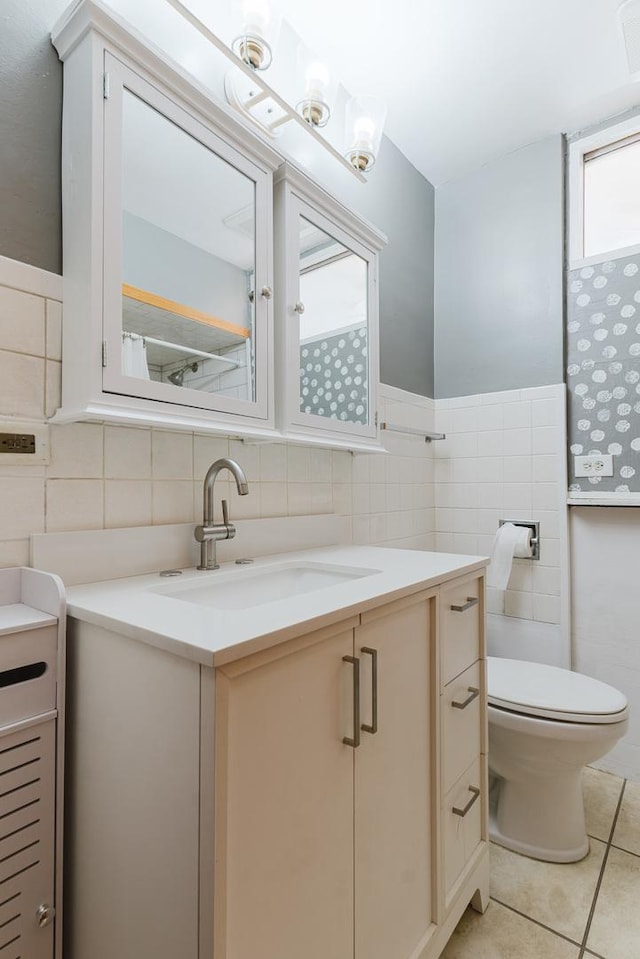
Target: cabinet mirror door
(335, 295)
(189, 321)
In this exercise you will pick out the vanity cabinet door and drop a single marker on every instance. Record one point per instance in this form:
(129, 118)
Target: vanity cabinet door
(187, 256)
(284, 802)
(393, 781)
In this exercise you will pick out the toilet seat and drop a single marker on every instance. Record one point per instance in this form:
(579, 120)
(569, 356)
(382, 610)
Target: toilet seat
(535, 689)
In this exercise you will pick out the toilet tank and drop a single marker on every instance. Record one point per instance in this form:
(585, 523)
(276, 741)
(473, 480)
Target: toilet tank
(525, 639)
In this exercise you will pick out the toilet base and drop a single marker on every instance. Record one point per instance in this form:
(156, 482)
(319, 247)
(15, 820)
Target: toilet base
(535, 852)
(540, 818)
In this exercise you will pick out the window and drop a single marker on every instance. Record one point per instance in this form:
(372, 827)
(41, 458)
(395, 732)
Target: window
(612, 197)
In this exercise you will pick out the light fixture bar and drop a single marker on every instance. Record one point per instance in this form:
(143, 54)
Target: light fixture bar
(209, 35)
(280, 121)
(254, 101)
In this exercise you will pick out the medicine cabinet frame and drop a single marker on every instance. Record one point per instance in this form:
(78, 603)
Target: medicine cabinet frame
(297, 196)
(103, 57)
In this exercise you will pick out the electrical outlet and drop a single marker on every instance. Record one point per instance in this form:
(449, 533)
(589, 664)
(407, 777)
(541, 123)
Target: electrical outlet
(23, 442)
(599, 464)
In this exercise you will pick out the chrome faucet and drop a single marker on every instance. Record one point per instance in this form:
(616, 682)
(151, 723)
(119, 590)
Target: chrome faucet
(209, 533)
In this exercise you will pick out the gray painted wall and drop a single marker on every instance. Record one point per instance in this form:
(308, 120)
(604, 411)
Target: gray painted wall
(30, 121)
(499, 274)
(397, 198)
(158, 261)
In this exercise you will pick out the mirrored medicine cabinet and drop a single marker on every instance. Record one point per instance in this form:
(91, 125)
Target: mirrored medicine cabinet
(172, 314)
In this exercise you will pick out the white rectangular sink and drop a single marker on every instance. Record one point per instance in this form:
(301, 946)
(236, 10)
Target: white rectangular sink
(244, 588)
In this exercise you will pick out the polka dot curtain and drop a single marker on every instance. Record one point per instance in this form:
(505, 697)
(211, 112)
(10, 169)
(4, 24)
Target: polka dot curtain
(333, 376)
(603, 371)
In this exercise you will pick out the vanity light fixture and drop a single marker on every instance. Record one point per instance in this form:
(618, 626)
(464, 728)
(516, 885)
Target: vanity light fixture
(364, 121)
(251, 53)
(314, 77)
(260, 26)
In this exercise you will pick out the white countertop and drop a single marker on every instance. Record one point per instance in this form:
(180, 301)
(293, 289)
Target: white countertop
(213, 636)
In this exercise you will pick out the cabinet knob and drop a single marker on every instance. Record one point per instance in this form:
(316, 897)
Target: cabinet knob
(45, 914)
(299, 307)
(267, 292)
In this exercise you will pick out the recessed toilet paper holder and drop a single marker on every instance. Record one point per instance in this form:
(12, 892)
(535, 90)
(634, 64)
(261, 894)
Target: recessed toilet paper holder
(535, 534)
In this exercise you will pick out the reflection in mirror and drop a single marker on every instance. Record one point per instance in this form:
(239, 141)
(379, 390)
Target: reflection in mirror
(333, 328)
(188, 259)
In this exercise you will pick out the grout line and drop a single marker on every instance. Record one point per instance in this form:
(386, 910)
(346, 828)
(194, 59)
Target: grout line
(560, 935)
(627, 851)
(601, 875)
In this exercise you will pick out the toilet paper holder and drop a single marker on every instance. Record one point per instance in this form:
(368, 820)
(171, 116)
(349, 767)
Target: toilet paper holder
(535, 534)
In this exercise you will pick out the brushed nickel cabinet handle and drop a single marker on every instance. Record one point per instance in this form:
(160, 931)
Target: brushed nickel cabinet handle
(373, 728)
(471, 601)
(465, 809)
(474, 693)
(267, 292)
(299, 307)
(355, 741)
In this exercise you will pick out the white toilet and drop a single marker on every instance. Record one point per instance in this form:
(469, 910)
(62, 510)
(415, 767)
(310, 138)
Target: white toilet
(545, 724)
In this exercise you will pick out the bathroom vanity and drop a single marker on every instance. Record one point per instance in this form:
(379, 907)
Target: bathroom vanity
(279, 760)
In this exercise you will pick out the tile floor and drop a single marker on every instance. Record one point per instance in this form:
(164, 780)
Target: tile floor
(587, 909)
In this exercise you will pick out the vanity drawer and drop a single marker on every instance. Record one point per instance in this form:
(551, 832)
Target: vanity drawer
(462, 823)
(461, 703)
(461, 610)
(27, 673)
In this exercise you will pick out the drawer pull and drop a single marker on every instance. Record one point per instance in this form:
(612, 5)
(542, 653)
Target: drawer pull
(355, 741)
(473, 691)
(373, 728)
(471, 601)
(465, 809)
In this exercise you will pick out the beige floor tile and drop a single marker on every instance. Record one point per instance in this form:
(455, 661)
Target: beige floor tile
(627, 834)
(559, 895)
(503, 934)
(601, 793)
(615, 929)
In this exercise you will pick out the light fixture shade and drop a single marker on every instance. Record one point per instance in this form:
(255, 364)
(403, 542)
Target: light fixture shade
(364, 123)
(258, 29)
(317, 86)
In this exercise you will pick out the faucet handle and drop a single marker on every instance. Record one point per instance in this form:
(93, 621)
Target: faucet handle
(225, 512)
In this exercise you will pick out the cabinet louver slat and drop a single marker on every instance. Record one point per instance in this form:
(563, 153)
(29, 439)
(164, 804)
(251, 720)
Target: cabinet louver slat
(26, 828)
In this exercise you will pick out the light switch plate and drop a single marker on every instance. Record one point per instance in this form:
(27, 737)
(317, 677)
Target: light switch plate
(598, 464)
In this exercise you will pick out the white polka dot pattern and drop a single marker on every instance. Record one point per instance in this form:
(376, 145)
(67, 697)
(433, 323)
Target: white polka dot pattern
(603, 370)
(333, 377)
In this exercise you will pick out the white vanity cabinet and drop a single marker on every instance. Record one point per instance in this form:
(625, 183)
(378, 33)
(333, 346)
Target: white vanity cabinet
(309, 798)
(323, 811)
(326, 314)
(168, 241)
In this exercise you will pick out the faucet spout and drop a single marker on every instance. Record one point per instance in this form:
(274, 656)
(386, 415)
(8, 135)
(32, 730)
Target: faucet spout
(208, 534)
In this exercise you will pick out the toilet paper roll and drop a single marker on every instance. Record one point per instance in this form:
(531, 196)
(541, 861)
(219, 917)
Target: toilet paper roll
(510, 541)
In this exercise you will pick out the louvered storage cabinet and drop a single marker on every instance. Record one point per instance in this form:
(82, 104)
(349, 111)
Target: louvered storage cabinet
(32, 619)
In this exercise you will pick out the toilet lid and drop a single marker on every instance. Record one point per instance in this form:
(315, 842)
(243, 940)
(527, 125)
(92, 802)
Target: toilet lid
(534, 689)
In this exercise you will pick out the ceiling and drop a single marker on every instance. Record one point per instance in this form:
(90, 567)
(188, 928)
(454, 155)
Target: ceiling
(465, 81)
(470, 80)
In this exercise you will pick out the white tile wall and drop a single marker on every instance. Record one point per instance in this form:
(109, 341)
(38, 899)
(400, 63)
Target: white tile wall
(504, 458)
(105, 476)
